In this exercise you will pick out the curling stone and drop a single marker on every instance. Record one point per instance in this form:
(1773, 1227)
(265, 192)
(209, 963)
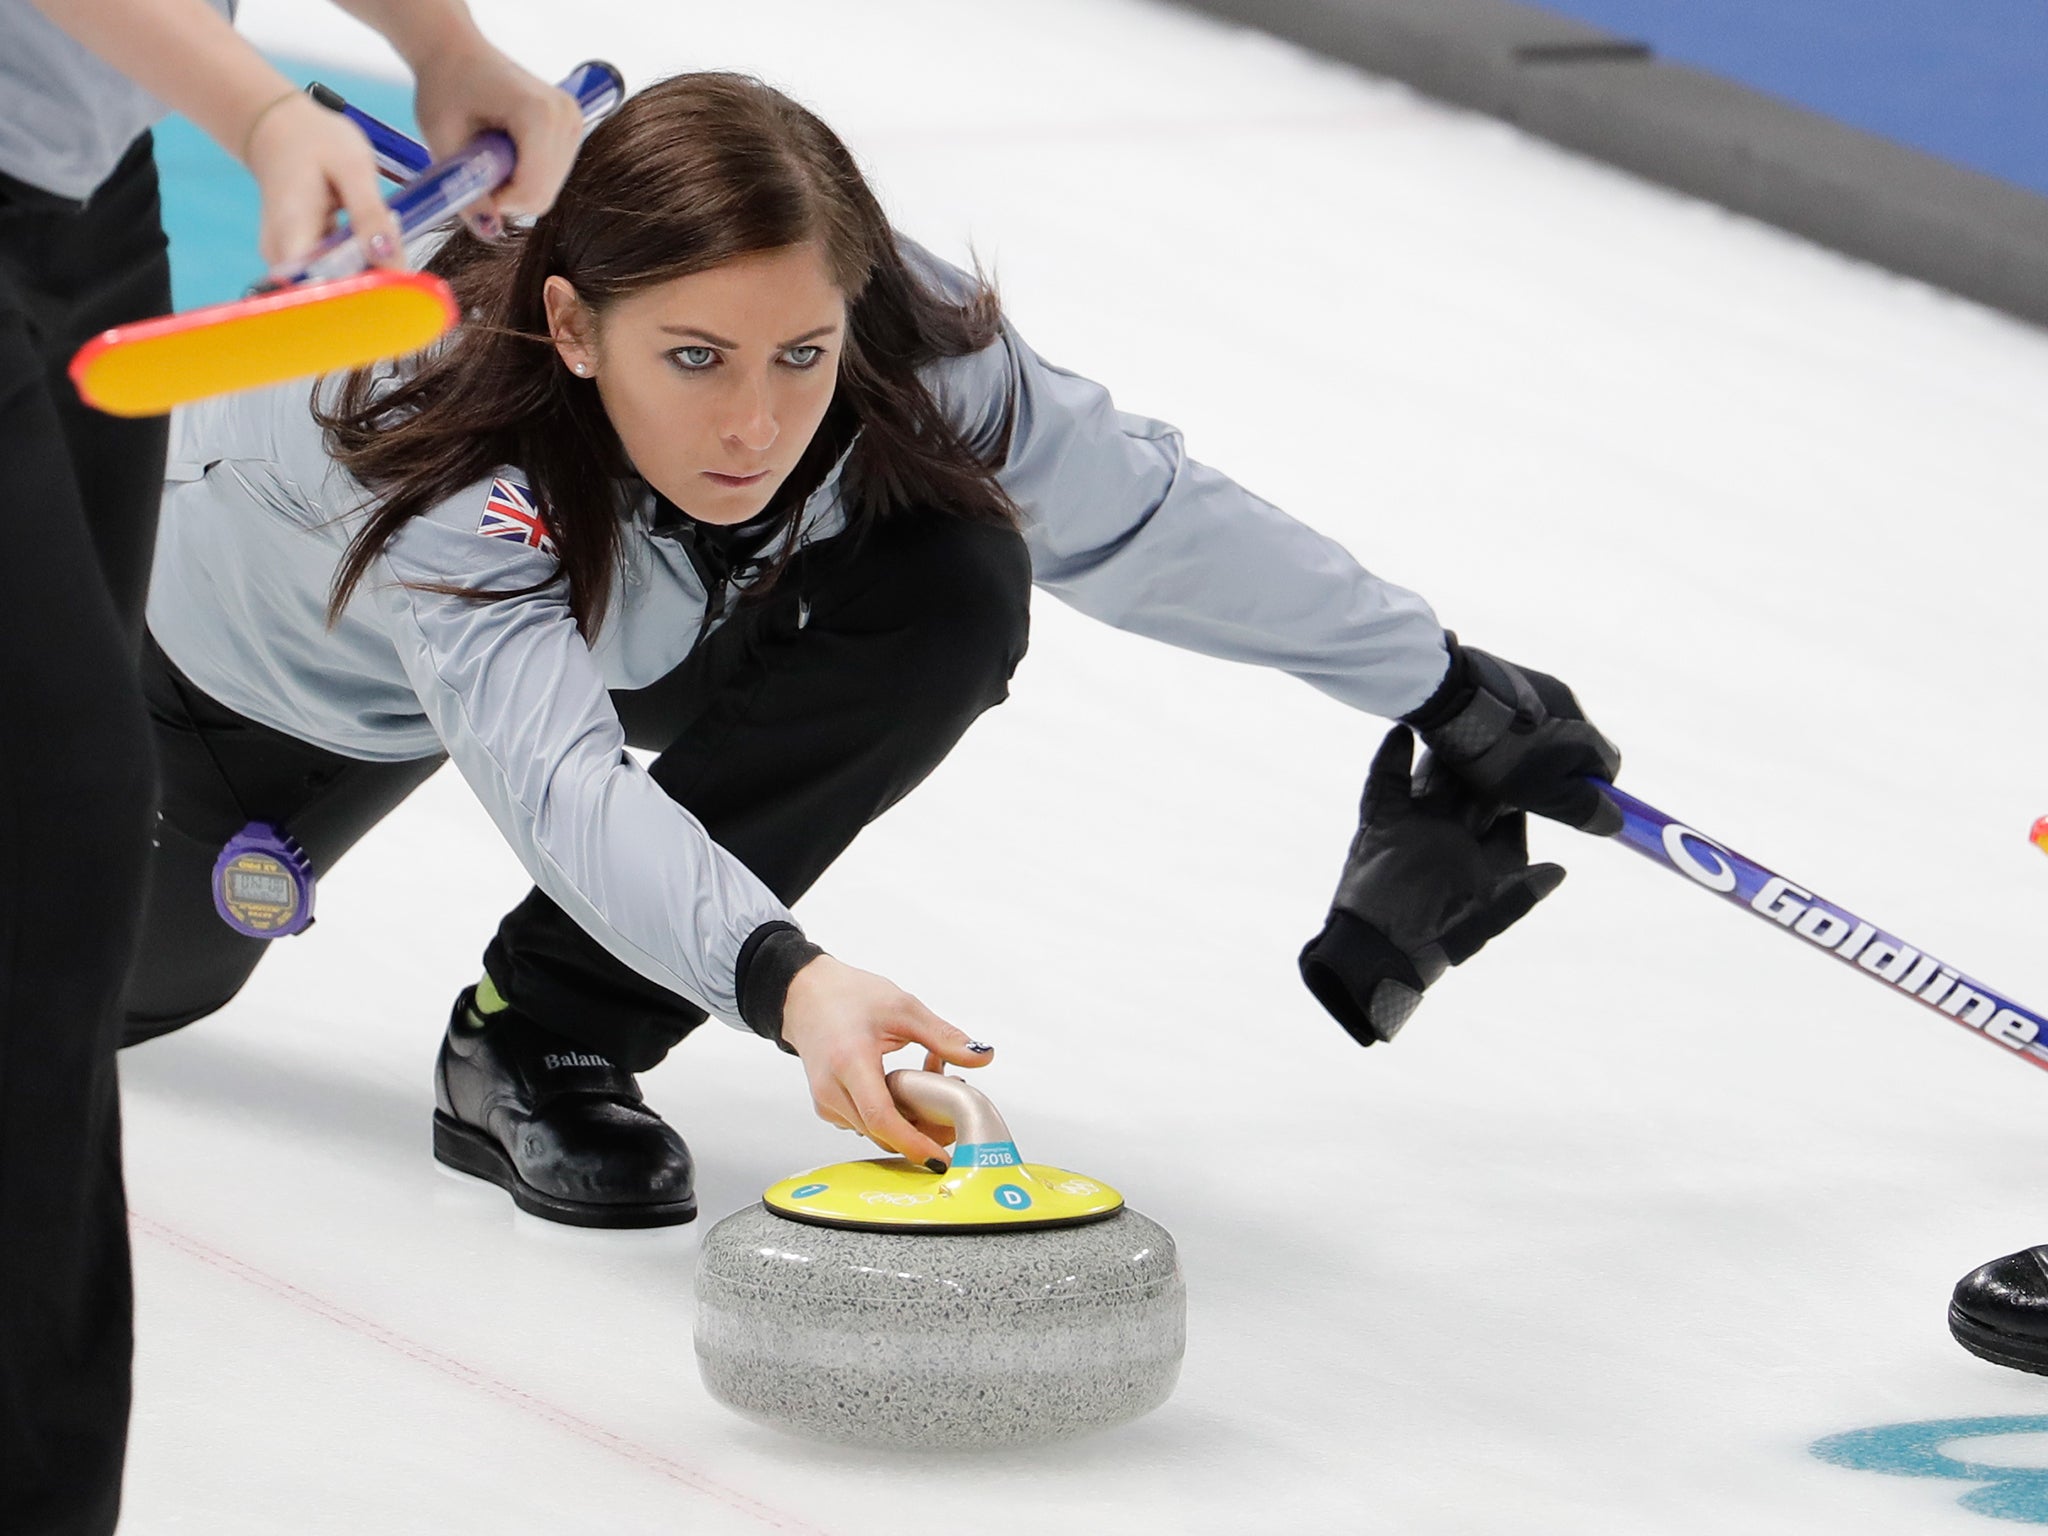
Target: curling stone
(998, 1303)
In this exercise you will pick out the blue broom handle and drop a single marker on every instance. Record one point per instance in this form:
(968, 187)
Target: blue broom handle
(1883, 957)
(400, 158)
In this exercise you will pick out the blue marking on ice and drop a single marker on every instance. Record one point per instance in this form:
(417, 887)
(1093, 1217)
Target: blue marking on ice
(1916, 1450)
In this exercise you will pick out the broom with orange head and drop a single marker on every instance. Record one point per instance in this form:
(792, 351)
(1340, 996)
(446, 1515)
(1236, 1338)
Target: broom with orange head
(331, 313)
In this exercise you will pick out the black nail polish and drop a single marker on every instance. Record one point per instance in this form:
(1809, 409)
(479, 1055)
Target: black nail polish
(936, 1164)
(978, 1048)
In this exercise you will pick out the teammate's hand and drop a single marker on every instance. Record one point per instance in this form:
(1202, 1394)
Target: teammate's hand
(309, 162)
(468, 86)
(1517, 736)
(842, 1022)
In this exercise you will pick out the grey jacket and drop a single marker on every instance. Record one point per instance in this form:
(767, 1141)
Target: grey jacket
(1120, 523)
(66, 117)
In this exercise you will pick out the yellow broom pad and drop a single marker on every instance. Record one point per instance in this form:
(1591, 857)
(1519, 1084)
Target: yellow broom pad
(146, 368)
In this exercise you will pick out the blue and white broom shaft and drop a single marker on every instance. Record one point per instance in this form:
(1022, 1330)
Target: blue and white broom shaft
(1883, 957)
(445, 188)
(399, 158)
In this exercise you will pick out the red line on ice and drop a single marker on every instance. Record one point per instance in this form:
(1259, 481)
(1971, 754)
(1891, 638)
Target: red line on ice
(471, 1376)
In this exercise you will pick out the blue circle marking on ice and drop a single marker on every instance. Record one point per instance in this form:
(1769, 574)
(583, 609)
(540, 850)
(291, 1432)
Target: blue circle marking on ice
(805, 1191)
(1919, 1450)
(1011, 1198)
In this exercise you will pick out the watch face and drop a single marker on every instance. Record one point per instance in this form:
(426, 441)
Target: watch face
(258, 893)
(263, 884)
(252, 886)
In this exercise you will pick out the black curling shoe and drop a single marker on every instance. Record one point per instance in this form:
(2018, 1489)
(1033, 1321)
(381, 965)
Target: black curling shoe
(2000, 1311)
(563, 1131)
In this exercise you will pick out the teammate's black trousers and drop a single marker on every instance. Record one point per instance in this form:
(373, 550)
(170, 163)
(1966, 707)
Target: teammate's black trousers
(803, 717)
(79, 492)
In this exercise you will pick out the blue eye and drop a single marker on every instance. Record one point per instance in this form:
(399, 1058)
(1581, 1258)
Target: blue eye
(693, 359)
(803, 357)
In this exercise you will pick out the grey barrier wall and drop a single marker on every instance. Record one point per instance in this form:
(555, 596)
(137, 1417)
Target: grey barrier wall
(1610, 98)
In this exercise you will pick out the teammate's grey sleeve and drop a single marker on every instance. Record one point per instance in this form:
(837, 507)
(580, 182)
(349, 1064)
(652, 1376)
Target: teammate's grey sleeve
(1124, 526)
(515, 696)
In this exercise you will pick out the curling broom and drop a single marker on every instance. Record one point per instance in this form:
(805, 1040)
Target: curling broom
(330, 314)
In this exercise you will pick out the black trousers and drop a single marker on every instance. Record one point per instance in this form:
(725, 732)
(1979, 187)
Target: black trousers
(80, 493)
(808, 713)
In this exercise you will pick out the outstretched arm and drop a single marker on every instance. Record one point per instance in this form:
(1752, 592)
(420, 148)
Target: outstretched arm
(1124, 525)
(523, 710)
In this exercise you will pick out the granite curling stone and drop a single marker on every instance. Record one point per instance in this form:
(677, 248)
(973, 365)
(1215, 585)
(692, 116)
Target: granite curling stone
(999, 1303)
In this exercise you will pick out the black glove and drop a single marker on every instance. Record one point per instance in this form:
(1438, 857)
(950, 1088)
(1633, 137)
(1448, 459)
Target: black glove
(1432, 875)
(1519, 737)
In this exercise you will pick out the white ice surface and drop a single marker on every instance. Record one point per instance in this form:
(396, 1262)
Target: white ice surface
(1644, 1201)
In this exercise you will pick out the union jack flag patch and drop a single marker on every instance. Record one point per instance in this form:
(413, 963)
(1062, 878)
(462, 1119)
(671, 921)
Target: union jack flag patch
(510, 513)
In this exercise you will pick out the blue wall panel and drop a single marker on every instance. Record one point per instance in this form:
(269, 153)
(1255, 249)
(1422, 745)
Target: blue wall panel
(1966, 80)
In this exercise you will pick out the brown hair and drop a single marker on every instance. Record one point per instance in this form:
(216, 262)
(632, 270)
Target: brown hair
(689, 173)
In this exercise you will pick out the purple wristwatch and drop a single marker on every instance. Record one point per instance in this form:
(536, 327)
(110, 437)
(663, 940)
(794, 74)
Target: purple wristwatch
(263, 883)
